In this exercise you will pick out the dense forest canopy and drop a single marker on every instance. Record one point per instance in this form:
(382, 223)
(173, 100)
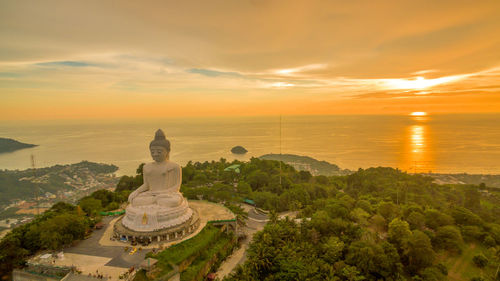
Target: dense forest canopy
(375, 224)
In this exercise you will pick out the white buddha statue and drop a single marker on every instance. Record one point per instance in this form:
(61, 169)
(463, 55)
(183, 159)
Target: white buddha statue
(157, 203)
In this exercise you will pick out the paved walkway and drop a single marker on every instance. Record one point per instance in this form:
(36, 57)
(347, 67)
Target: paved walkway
(255, 223)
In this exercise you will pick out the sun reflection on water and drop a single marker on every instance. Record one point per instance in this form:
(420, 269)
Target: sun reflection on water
(417, 152)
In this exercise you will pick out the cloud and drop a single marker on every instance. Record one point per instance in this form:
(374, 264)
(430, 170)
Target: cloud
(283, 49)
(367, 39)
(9, 75)
(299, 70)
(417, 94)
(66, 63)
(213, 73)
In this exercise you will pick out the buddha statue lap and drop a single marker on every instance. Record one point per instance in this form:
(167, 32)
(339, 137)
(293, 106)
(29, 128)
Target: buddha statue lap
(157, 203)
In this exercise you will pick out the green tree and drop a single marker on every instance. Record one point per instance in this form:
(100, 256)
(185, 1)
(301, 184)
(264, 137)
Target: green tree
(365, 205)
(449, 238)
(432, 274)
(188, 172)
(489, 241)
(472, 232)
(399, 233)
(91, 206)
(435, 219)
(350, 273)
(112, 206)
(480, 260)
(200, 178)
(332, 249)
(105, 196)
(419, 252)
(322, 222)
(373, 261)
(258, 180)
(388, 210)
(321, 179)
(472, 198)
(379, 222)
(305, 176)
(244, 188)
(464, 216)
(12, 254)
(416, 220)
(360, 216)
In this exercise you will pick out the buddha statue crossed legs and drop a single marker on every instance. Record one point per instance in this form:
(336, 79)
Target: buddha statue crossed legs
(157, 203)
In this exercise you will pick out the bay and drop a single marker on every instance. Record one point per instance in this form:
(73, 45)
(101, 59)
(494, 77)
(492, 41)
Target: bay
(439, 143)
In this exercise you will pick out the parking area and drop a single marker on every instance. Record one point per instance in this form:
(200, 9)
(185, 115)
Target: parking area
(90, 257)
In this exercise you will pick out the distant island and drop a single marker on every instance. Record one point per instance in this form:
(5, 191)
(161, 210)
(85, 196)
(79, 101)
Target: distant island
(239, 150)
(306, 163)
(10, 145)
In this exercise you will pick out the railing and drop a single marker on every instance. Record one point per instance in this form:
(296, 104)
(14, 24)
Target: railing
(112, 213)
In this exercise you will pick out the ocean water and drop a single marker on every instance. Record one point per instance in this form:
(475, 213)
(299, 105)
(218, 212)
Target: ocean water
(441, 143)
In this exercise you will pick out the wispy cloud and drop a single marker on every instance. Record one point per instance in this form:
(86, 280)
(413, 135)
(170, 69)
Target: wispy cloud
(9, 75)
(418, 82)
(422, 72)
(66, 63)
(301, 70)
(214, 73)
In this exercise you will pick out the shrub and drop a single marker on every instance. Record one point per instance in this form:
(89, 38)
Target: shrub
(472, 232)
(442, 268)
(480, 260)
(448, 238)
(489, 241)
(432, 273)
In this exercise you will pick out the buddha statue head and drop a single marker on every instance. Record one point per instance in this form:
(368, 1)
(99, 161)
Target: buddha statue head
(159, 147)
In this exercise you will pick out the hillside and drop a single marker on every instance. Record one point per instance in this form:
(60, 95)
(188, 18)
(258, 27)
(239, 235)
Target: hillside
(316, 167)
(374, 224)
(10, 145)
(306, 163)
(21, 185)
(488, 180)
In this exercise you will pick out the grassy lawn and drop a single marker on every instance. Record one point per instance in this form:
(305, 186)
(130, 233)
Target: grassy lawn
(461, 267)
(179, 252)
(204, 258)
(487, 205)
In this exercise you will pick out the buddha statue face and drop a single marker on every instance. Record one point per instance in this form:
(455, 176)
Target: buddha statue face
(159, 153)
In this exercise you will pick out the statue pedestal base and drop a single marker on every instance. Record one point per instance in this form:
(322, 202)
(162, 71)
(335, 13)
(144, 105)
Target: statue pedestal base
(171, 233)
(154, 217)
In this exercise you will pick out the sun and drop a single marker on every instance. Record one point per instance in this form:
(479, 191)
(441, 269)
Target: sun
(418, 113)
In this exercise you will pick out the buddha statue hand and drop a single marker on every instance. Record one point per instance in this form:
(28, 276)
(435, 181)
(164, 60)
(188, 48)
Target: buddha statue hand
(136, 192)
(132, 196)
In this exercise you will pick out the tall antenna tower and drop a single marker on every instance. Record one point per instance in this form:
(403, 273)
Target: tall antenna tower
(36, 186)
(280, 150)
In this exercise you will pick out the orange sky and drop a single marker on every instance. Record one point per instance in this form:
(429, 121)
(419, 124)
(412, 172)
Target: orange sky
(95, 59)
